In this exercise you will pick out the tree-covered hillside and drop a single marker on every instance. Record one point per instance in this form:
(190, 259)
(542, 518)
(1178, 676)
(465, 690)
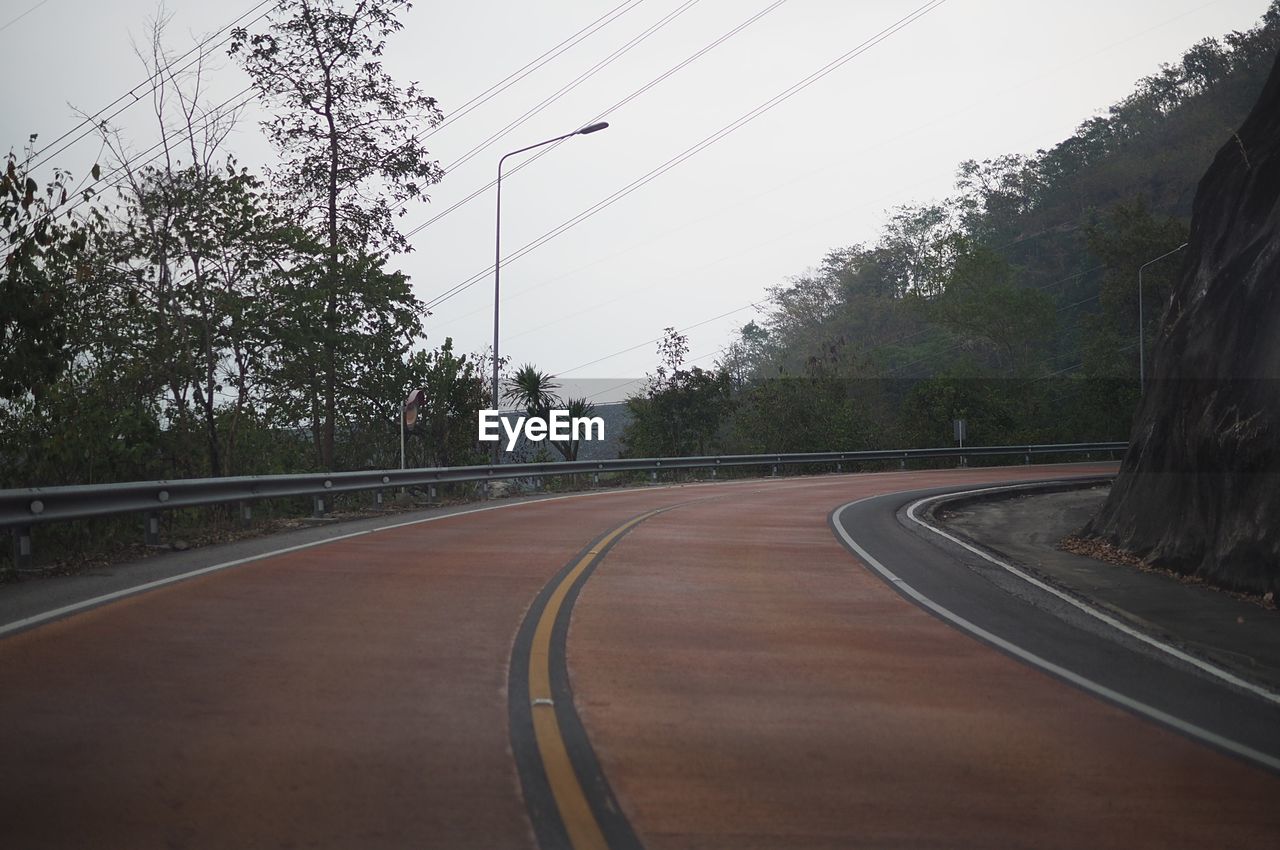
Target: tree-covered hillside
(1013, 303)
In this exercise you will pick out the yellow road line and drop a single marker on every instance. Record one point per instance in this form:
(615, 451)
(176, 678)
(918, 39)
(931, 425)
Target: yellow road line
(575, 811)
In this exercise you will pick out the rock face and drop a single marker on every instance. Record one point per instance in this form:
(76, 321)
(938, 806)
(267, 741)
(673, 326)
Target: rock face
(1199, 490)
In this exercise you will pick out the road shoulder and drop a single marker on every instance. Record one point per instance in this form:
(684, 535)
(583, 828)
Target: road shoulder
(1236, 634)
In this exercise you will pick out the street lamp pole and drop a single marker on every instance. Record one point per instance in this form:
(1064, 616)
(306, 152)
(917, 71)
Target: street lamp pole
(1142, 347)
(497, 254)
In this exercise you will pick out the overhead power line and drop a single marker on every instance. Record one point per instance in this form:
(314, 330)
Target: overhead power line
(131, 97)
(208, 117)
(242, 98)
(574, 83)
(600, 116)
(13, 21)
(1026, 81)
(687, 362)
(116, 176)
(518, 75)
(763, 301)
(656, 340)
(696, 148)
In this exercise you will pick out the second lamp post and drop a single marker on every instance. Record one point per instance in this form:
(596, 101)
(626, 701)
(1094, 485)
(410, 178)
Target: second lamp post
(497, 255)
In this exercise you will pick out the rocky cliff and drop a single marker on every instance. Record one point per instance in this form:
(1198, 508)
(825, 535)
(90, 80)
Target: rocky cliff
(1199, 490)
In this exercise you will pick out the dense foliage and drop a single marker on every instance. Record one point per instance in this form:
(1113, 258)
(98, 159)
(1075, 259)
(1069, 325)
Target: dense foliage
(175, 315)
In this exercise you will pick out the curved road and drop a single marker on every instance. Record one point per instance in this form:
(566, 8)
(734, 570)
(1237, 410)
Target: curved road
(702, 666)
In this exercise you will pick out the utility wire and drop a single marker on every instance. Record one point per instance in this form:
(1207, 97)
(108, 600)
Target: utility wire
(13, 21)
(601, 115)
(131, 97)
(764, 301)
(656, 340)
(697, 148)
(242, 98)
(1019, 239)
(208, 117)
(571, 85)
(1022, 238)
(697, 359)
(518, 75)
(156, 151)
(625, 294)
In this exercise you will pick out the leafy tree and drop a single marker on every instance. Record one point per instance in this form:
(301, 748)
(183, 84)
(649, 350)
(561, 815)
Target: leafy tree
(348, 136)
(983, 305)
(40, 278)
(916, 248)
(1127, 237)
(456, 392)
(681, 410)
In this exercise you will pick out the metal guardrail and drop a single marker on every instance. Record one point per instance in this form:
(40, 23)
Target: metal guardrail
(23, 508)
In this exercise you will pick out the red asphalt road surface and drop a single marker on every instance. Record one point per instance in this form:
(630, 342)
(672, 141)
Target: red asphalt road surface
(744, 681)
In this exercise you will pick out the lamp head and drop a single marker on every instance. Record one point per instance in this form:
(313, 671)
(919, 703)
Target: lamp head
(591, 128)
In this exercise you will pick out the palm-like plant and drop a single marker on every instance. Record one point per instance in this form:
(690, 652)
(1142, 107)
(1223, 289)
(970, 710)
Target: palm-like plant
(531, 389)
(579, 408)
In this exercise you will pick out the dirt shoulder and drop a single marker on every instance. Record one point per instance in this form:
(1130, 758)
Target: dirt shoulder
(1238, 633)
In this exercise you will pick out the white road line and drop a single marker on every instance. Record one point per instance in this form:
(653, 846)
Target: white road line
(67, 610)
(36, 619)
(1076, 679)
(1117, 624)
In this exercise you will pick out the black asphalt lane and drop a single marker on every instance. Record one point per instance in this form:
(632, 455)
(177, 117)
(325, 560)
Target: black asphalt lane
(1040, 623)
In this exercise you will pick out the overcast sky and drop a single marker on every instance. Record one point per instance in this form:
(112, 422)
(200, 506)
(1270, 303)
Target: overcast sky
(971, 79)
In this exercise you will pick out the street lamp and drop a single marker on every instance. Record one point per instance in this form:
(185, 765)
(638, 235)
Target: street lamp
(1142, 348)
(497, 253)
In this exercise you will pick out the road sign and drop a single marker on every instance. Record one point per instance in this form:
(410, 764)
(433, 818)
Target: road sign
(416, 399)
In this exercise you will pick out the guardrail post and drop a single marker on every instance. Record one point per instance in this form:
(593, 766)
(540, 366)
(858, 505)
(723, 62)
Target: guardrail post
(151, 529)
(246, 514)
(22, 547)
(903, 463)
(318, 506)
(1027, 460)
